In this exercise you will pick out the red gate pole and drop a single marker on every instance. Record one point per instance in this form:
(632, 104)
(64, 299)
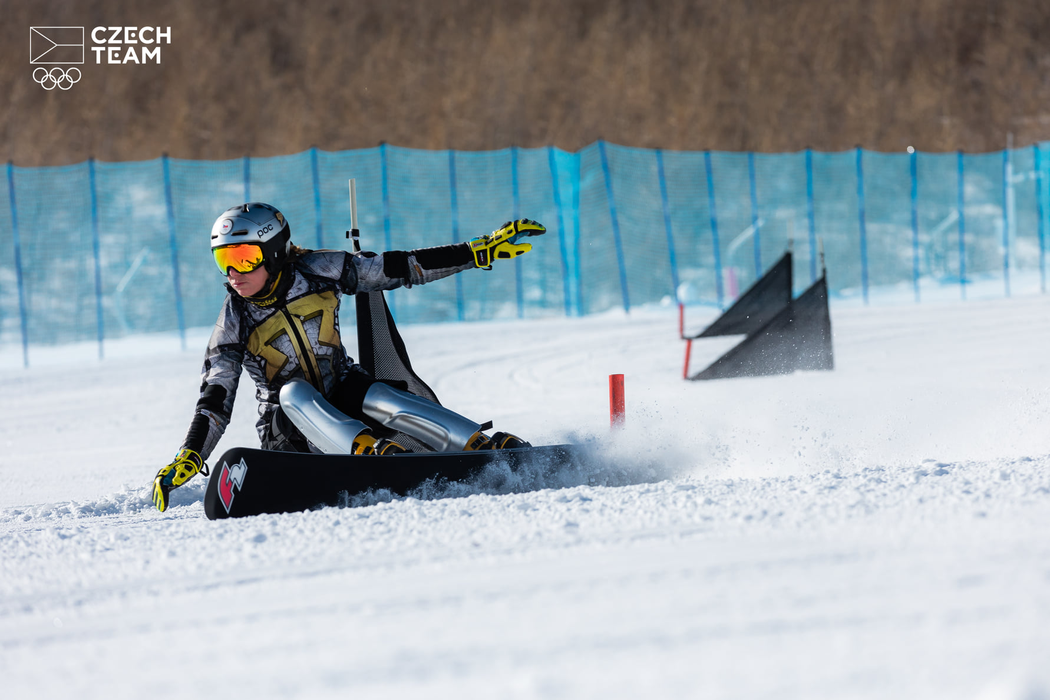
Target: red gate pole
(616, 402)
(688, 352)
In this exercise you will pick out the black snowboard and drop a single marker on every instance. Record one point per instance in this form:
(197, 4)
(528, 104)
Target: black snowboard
(246, 481)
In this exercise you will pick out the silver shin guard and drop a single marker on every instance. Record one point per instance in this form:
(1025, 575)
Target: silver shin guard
(442, 429)
(329, 430)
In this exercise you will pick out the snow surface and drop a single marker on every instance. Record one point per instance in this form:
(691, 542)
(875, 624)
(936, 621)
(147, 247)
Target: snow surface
(880, 531)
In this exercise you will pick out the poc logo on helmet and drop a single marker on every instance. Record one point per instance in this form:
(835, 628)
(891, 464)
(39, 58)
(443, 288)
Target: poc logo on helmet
(263, 230)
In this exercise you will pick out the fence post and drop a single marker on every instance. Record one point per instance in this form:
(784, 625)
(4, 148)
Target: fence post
(247, 178)
(615, 226)
(23, 316)
(863, 224)
(386, 194)
(714, 228)
(1037, 155)
(667, 222)
(98, 263)
(317, 196)
(755, 235)
(455, 226)
(962, 226)
(391, 296)
(566, 289)
(577, 274)
(519, 288)
(1006, 221)
(810, 216)
(914, 167)
(173, 243)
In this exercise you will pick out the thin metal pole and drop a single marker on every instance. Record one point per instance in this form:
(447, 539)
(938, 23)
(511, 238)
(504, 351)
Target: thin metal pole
(355, 233)
(667, 222)
(755, 234)
(714, 227)
(566, 288)
(455, 227)
(962, 226)
(863, 224)
(22, 314)
(812, 220)
(314, 171)
(615, 227)
(98, 263)
(914, 167)
(1037, 155)
(519, 286)
(173, 243)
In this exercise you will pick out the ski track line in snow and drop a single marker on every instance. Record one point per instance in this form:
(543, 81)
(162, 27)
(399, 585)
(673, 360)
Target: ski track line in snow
(895, 499)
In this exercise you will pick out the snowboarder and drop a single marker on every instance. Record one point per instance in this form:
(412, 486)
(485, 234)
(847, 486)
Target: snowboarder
(280, 321)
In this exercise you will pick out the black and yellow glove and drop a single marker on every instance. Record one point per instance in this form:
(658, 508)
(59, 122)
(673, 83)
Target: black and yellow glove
(502, 244)
(186, 465)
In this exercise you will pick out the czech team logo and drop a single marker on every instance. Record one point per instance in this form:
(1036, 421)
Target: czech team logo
(56, 46)
(230, 477)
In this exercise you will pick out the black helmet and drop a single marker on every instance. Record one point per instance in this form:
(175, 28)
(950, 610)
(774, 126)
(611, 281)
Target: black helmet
(255, 224)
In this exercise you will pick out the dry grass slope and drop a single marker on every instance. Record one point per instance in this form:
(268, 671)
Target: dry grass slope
(268, 77)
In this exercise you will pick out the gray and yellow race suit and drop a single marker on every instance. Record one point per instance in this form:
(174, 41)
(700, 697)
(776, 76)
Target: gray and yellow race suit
(296, 334)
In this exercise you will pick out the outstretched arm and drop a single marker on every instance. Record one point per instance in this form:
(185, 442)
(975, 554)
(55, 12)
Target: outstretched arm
(219, 378)
(394, 268)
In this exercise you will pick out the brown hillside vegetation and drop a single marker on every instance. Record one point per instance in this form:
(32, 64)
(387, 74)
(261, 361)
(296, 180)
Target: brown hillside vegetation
(267, 77)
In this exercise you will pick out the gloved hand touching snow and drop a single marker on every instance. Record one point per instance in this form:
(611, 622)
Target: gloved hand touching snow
(186, 465)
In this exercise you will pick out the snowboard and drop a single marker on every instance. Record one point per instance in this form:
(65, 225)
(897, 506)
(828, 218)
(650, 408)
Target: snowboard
(247, 481)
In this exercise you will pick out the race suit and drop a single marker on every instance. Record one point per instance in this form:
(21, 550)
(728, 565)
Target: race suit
(297, 334)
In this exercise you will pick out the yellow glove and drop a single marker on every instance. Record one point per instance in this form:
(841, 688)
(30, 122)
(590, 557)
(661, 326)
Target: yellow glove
(502, 244)
(186, 465)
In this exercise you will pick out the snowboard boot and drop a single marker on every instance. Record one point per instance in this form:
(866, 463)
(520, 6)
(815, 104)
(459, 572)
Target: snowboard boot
(367, 444)
(502, 441)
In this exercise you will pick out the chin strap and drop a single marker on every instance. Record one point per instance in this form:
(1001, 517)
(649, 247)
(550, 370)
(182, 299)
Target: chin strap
(269, 295)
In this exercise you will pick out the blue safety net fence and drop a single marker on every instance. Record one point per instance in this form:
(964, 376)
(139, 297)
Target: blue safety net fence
(97, 251)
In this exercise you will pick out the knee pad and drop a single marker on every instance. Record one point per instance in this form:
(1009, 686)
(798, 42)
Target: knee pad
(328, 429)
(429, 422)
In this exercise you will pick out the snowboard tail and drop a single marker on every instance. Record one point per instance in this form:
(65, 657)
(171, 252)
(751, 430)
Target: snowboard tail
(247, 481)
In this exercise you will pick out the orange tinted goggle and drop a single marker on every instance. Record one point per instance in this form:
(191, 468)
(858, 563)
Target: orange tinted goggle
(243, 257)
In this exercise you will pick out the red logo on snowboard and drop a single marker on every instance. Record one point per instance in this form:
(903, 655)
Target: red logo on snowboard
(230, 477)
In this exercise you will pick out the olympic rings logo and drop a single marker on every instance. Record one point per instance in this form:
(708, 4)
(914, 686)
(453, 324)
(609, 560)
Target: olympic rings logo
(56, 77)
